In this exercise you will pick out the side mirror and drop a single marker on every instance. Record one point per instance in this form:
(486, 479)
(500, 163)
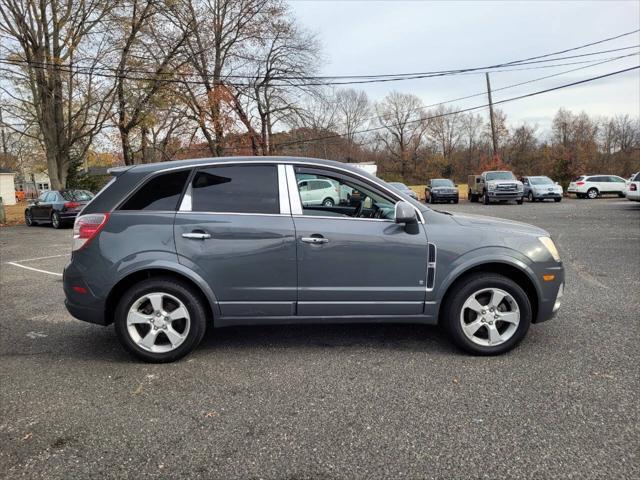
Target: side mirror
(405, 213)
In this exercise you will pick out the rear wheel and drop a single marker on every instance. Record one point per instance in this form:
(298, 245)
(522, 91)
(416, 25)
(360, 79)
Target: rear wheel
(160, 320)
(592, 193)
(28, 218)
(56, 222)
(621, 194)
(488, 314)
(328, 202)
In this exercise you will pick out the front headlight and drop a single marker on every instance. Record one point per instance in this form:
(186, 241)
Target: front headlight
(551, 247)
(491, 186)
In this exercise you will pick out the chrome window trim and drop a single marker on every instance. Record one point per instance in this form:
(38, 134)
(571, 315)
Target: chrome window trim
(283, 191)
(344, 218)
(234, 213)
(289, 163)
(294, 194)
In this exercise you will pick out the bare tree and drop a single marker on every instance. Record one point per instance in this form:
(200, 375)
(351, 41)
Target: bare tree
(149, 36)
(446, 129)
(403, 128)
(354, 108)
(55, 48)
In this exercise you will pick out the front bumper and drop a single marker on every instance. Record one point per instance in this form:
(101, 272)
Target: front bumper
(546, 195)
(552, 294)
(445, 196)
(497, 195)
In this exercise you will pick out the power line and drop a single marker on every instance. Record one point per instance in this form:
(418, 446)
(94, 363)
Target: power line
(464, 110)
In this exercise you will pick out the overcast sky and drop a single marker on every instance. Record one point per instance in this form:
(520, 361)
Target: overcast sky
(379, 37)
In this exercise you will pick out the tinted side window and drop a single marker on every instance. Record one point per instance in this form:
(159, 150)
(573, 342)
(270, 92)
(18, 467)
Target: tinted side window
(236, 189)
(637, 178)
(162, 192)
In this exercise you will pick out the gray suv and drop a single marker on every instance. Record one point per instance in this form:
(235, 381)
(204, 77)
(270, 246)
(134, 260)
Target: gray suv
(166, 250)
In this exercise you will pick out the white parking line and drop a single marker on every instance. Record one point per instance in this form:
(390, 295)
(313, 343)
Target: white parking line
(42, 258)
(34, 269)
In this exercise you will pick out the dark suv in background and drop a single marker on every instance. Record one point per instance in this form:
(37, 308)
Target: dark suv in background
(167, 249)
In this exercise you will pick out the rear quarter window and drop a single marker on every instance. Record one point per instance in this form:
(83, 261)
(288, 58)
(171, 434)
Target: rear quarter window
(236, 189)
(160, 193)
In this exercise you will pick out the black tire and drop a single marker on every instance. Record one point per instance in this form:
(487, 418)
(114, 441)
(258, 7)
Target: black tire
(328, 202)
(463, 290)
(28, 218)
(580, 196)
(530, 197)
(456, 200)
(519, 202)
(485, 198)
(56, 221)
(621, 195)
(557, 200)
(431, 200)
(592, 193)
(181, 291)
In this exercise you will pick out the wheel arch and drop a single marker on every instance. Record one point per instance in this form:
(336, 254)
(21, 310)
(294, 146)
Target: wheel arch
(509, 269)
(198, 285)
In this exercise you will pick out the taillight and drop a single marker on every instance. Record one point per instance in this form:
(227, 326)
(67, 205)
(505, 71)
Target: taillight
(580, 184)
(71, 204)
(633, 187)
(86, 227)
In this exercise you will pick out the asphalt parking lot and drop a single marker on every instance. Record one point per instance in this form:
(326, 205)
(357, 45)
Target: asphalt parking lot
(359, 401)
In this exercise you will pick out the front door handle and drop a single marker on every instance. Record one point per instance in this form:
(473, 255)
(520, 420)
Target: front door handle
(196, 235)
(315, 240)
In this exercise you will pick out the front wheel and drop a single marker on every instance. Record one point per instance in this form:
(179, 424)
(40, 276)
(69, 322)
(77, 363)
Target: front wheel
(488, 314)
(557, 200)
(485, 198)
(519, 202)
(160, 320)
(530, 197)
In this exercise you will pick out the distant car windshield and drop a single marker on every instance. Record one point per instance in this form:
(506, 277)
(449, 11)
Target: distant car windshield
(540, 181)
(399, 186)
(577, 179)
(500, 176)
(442, 182)
(77, 195)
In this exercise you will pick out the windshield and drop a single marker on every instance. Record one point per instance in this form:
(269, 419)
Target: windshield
(500, 176)
(441, 182)
(77, 195)
(399, 186)
(540, 181)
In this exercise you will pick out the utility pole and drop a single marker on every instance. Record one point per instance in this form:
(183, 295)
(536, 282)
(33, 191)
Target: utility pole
(493, 127)
(4, 135)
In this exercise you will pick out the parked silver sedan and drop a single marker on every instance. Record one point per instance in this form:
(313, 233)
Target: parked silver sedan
(540, 188)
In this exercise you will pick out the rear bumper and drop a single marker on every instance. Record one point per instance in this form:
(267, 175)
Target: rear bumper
(83, 305)
(68, 215)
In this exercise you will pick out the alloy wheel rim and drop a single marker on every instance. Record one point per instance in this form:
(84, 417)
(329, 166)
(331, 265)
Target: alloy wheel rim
(28, 218)
(592, 194)
(328, 203)
(55, 220)
(158, 322)
(490, 317)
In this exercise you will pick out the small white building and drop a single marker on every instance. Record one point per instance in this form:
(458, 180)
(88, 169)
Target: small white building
(7, 189)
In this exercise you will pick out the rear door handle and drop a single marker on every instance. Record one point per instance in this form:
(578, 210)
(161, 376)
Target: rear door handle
(315, 240)
(196, 235)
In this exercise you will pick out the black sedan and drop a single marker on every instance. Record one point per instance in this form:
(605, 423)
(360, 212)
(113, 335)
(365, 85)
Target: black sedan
(57, 207)
(441, 190)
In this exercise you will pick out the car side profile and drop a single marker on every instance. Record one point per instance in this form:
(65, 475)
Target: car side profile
(56, 207)
(166, 250)
(594, 186)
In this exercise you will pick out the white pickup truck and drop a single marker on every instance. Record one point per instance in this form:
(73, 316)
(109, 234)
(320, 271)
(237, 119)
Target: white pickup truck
(495, 185)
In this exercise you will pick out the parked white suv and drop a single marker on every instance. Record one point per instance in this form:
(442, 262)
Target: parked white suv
(633, 188)
(593, 186)
(318, 192)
